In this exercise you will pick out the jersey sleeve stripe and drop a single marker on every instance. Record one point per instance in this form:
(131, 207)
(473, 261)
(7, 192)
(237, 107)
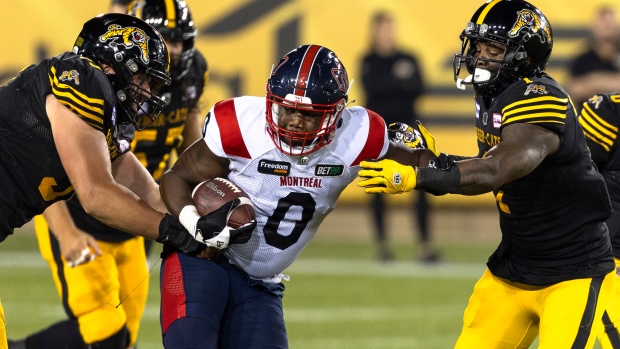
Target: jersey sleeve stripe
(596, 119)
(596, 132)
(374, 142)
(537, 116)
(90, 119)
(550, 99)
(54, 81)
(232, 140)
(78, 104)
(89, 109)
(594, 136)
(536, 110)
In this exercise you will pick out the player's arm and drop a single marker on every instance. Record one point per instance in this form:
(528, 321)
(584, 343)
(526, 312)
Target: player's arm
(85, 157)
(194, 165)
(75, 244)
(522, 149)
(129, 172)
(407, 156)
(192, 131)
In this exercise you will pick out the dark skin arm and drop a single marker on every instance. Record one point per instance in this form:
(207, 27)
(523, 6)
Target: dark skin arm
(522, 149)
(408, 156)
(195, 165)
(192, 131)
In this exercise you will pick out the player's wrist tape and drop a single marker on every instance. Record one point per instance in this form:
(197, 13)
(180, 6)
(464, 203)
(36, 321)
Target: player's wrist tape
(443, 161)
(439, 182)
(189, 218)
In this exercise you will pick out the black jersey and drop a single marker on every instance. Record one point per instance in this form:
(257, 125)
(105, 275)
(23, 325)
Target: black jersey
(552, 220)
(600, 120)
(31, 173)
(153, 145)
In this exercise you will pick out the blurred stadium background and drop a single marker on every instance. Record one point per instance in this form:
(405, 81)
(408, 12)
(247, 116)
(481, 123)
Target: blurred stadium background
(338, 296)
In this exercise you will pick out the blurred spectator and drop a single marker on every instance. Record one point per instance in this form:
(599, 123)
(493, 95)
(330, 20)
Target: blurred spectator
(392, 81)
(598, 69)
(119, 6)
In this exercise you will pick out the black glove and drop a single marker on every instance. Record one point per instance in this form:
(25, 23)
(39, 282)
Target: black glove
(214, 231)
(173, 234)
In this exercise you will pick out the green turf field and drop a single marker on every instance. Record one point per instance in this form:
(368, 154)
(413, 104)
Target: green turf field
(339, 296)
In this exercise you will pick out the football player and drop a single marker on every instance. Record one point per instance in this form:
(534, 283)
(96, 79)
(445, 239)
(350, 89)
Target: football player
(293, 152)
(600, 119)
(552, 274)
(122, 261)
(60, 126)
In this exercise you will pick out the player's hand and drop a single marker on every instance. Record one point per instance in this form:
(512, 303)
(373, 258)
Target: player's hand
(211, 229)
(416, 137)
(386, 177)
(214, 232)
(78, 247)
(174, 234)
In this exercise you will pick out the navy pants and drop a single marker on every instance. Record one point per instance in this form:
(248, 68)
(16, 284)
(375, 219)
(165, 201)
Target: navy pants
(213, 304)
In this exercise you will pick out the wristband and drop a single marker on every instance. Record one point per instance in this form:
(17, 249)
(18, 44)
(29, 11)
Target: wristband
(189, 218)
(439, 182)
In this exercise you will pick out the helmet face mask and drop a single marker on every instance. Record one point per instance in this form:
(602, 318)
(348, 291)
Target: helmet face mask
(517, 26)
(309, 82)
(138, 58)
(299, 143)
(173, 24)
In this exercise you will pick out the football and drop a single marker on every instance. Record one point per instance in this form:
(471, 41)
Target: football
(211, 194)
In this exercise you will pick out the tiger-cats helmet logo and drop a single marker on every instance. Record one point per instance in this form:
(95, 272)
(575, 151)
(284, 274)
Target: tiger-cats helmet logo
(131, 36)
(529, 20)
(70, 75)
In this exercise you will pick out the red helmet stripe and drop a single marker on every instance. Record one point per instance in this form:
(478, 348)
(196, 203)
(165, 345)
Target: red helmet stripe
(374, 142)
(230, 133)
(306, 68)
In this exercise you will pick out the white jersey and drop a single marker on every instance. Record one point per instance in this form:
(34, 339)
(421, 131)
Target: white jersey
(291, 194)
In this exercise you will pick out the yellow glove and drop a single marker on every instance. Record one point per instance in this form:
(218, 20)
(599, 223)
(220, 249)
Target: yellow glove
(416, 137)
(428, 138)
(386, 177)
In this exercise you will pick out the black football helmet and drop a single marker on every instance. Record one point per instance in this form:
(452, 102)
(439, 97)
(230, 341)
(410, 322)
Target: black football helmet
(130, 47)
(516, 24)
(309, 78)
(173, 20)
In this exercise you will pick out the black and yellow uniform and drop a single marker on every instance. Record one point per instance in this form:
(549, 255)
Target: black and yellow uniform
(30, 168)
(600, 120)
(123, 262)
(31, 184)
(543, 240)
(554, 261)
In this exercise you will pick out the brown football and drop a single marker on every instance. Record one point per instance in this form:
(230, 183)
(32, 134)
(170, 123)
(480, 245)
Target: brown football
(211, 194)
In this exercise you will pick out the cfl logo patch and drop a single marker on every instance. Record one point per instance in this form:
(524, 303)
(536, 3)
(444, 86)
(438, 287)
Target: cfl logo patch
(397, 178)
